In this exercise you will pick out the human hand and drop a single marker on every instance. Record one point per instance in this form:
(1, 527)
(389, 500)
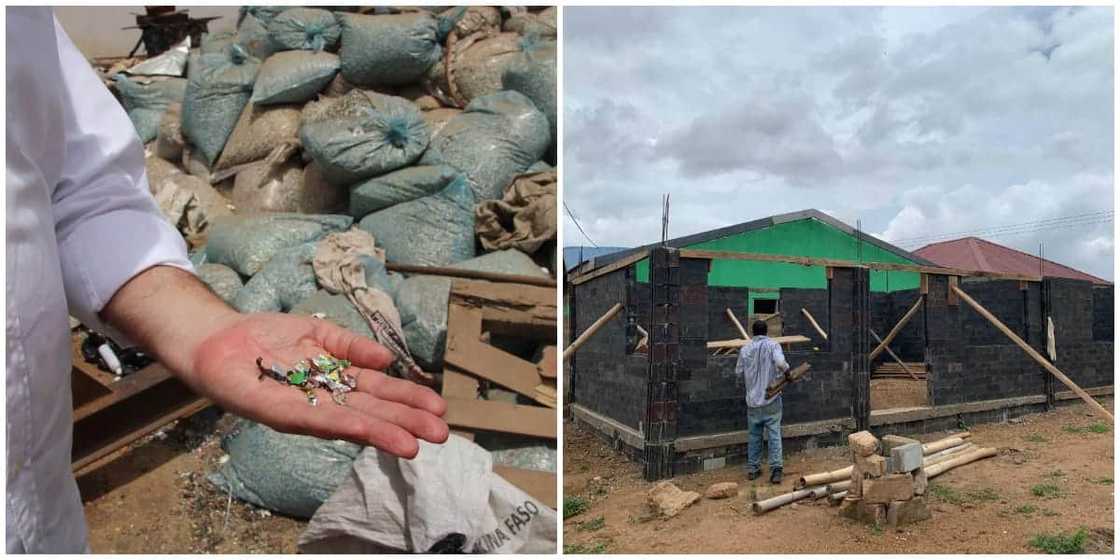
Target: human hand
(382, 411)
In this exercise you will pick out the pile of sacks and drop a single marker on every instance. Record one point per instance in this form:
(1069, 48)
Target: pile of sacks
(432, 130)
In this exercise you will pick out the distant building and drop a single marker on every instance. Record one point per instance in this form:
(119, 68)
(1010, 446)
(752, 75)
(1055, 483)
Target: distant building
(975, 254)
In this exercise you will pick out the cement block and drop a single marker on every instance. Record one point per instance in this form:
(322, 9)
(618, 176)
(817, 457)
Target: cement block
(905, 512)
(715, 463)
(889, 442)
(888, 488)
(906, 458)
(921, 482)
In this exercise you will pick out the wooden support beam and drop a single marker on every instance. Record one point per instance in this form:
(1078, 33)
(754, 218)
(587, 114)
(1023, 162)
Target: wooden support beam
(952, 297)
(905, 367)
(738, 325)
(621, 263)
(739, 343)
(923, 284)
(472, 274)
(1032, 353)
(897, 329)
(487, 362)
(587, 334)
(644, 341)
(813, 322)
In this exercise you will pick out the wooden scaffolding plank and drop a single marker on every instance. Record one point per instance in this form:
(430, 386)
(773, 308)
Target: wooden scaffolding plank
(621, 263)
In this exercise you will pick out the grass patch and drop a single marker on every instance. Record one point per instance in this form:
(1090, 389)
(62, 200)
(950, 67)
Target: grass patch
(946, 494)
(1056, 474)
(574, 505)
(1046, 490)
(876, 529)
(1061, 543)
(1037, 438)
(953, 496)
(1106, 481)
(1096, 428)
(593, 525)
(983, 495)
(1049, 512)
(1026, 509)
(594, 548)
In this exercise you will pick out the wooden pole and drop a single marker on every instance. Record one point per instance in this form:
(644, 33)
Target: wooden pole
(473, 274)
(897, 329)
(738, 325)
(644, 340)
(942, 467)
(1032, 353)
(598, 324)
(905, 367)
(813, 322)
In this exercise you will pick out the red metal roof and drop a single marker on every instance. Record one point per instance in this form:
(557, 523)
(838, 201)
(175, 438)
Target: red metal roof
(973, 253)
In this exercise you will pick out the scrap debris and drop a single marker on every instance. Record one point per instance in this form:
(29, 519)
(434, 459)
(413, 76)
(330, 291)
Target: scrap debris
(323, 372)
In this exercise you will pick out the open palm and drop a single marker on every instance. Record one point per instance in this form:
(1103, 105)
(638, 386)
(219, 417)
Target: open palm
(383, 411)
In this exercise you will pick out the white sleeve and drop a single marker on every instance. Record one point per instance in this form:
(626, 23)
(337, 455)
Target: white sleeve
(108, 227)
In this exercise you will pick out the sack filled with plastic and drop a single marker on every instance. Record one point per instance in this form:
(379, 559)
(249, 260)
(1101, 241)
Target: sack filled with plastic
(476, 70)
(169, 136)
(294, 77)
(435, 230)
(285, 473)
(335, 308)
(217, 92)
(533, 74)
(146, 99)
(285, 187)
(285, 280)
(388, 50)
(259, 131)
(252, 29)
(422, 301)
(399, 186)
(224, 280)
(311, 29)
(246, 243)
(496, 138)
(383, 134)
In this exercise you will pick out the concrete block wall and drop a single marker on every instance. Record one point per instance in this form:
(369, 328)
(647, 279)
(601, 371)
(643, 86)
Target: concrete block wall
(721, 299)
(910, 344)
(1078, 310)
(790, 303)
(605, 378)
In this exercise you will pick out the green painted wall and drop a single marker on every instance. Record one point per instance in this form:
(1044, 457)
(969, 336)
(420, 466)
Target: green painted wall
(804, 238)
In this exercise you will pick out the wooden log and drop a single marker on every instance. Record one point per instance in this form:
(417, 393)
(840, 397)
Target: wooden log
(472, 274)
(964, 459)
(813, 322)
(587, 334)
(1032, 353)
(946, 454)
(790, 377)
(897, 329)
(738, 325)
(890, 352)
(644, 341)
(940, 445)
(739, 343)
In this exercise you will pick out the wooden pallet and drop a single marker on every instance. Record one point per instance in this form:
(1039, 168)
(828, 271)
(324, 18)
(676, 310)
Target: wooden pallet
(110, 414)
(476, 310)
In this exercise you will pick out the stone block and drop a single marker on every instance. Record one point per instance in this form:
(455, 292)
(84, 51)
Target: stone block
(722, 490)
(669, 500)
(875, 514)
(905, 512)
(888, 488)
(921, 482)
(872, 466)
(851, 508)
(890, 442)
(862, 444)
(906, 458)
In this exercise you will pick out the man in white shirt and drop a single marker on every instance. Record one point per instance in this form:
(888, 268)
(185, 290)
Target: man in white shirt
(83, 233)
(761, 363)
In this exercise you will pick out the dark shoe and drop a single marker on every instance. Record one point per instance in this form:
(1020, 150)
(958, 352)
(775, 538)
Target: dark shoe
(775, 476)
(753, 475)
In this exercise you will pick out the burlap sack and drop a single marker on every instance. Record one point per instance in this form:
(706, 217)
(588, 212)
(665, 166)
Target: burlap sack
(525, 217)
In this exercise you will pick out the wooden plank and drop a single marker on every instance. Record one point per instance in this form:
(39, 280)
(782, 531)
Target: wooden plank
(738, 343)
(537, 421)
(102, 455)
(472, 274)
(905, 367)
(1032, 353)
(587, 334)
(456, 385)
(128, 386)
(526, 312)
(813, 322)
(738, 325)
(897, 329)
(790, 377)
(540, 485)
(546, 368)
(621, 263)
(923, 285)
(503, 368)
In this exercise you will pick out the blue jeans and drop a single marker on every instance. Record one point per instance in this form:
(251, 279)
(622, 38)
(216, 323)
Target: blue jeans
(768, 417)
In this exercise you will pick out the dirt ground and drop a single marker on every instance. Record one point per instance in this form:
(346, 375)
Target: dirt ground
(898, 393)
(155, 499)
(989, 506)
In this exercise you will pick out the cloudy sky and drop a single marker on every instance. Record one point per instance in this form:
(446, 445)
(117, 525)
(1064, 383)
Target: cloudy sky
(923, 123)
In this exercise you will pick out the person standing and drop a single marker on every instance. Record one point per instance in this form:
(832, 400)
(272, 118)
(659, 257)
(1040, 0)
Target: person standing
(761, 363)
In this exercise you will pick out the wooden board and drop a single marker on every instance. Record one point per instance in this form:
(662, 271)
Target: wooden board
(536, 421)
(523, 311)
(621, 263)
(547, 366)
(538, 484)
(736, 343)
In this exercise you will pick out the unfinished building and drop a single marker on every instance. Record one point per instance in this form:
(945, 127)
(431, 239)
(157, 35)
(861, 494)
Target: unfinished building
(658, 378)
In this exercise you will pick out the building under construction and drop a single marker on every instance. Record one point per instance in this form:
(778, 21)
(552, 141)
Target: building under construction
(658, 378)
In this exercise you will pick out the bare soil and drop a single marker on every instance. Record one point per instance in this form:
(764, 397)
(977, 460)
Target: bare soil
(984, 507)
(898, 393)
(155, 499)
